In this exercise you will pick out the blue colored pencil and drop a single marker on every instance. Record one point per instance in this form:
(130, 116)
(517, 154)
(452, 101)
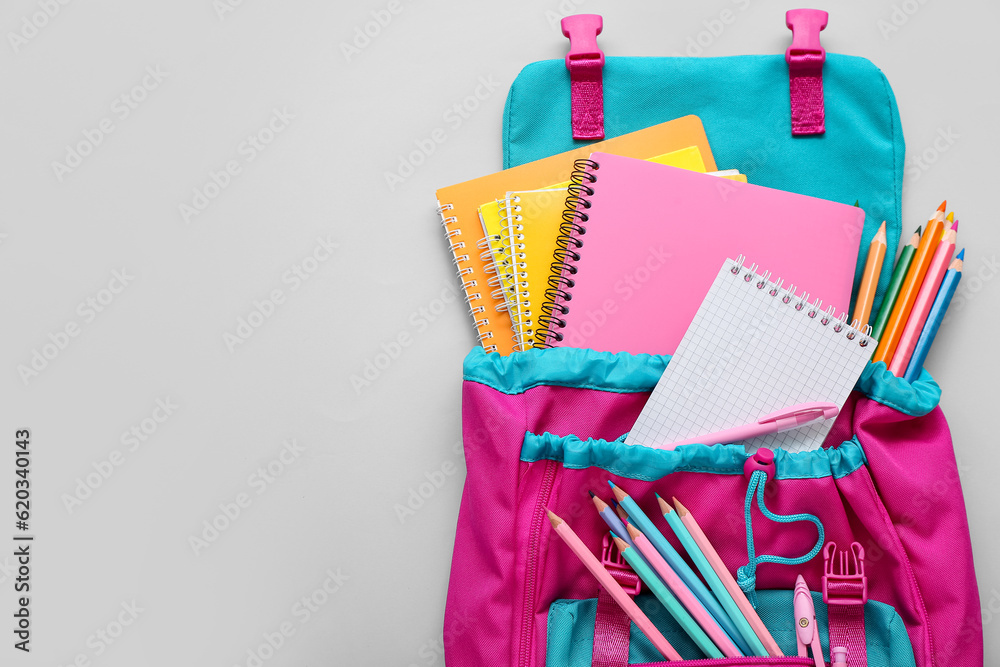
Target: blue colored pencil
(944, 295)
(684, 571)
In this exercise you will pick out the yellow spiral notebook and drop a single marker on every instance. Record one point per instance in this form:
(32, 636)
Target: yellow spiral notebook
(459, 204)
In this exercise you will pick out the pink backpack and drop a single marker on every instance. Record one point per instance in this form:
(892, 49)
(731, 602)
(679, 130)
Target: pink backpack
(891, 573)
(542, 428)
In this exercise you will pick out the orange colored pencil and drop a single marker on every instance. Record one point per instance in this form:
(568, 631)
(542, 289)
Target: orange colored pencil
(613, 588)
(908, 292)
(869, 279)
(925, 299)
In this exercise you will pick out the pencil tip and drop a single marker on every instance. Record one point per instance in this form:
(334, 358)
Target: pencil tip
(598, 503)
(632, 531)
(920, 230)
(592, 494)
(620, 543)
(961, 254)
(943, 206)
(619, 494)
(857, 202)
(664, 506)
(955, 226)
(950, 216)
(680, 508)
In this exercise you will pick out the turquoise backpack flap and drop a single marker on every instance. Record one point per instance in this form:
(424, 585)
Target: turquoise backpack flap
(744, 105)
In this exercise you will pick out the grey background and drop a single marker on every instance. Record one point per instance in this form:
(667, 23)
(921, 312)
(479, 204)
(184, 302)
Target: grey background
(332, 508)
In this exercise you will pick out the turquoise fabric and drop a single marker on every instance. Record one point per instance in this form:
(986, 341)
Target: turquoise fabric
(570, 631)
(627, 373)
(916, 398)
(565, 367)
(744, 105)
(650, 464)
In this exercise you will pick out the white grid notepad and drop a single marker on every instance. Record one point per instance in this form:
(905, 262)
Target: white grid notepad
(753, 348)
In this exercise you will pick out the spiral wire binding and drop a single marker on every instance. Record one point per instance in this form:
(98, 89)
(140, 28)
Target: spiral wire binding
(471, 298)
(801, 303)
(565, 256)
(520, 311)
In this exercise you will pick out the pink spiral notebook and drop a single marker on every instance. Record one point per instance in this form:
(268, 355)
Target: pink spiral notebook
(648, 240)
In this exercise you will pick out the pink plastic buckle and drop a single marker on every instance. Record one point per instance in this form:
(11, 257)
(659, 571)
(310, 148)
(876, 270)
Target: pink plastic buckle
(762, 459)
(805, 58)
(585, 62)
(616, 566)
(582, 30)
(844, 580)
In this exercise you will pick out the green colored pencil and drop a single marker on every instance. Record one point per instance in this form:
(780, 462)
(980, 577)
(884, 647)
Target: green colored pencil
(663, 594)
(895, 283)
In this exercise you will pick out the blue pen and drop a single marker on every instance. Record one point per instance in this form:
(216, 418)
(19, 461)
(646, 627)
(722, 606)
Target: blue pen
(687, 575)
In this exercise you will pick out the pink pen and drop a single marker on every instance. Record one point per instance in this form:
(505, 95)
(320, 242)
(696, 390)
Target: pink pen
(806, 630)
(782, 420)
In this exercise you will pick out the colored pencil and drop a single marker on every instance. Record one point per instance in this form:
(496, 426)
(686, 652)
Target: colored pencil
(709, 561)
(922, 304)
(908, 292)
(663, 594)
(895, 283)
(869, 279)
(723, 595)
(627, 604)
(687, 598)
(934, 319)
(687, 575)
(610, 518)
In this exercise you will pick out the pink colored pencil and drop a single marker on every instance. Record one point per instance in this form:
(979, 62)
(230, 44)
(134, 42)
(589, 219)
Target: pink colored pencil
(590, 561)
(712, 556)
(925, 299)
(684, 594)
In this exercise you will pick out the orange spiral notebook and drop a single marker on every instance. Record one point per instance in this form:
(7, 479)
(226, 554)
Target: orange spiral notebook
(459, 208)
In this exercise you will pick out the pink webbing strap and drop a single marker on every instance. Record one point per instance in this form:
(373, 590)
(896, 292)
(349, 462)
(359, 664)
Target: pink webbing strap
(805, 58)
(585, 62)
(611, 624)
(845, 591)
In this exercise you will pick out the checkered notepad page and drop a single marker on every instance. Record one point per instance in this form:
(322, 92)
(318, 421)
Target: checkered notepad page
(752, 349)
